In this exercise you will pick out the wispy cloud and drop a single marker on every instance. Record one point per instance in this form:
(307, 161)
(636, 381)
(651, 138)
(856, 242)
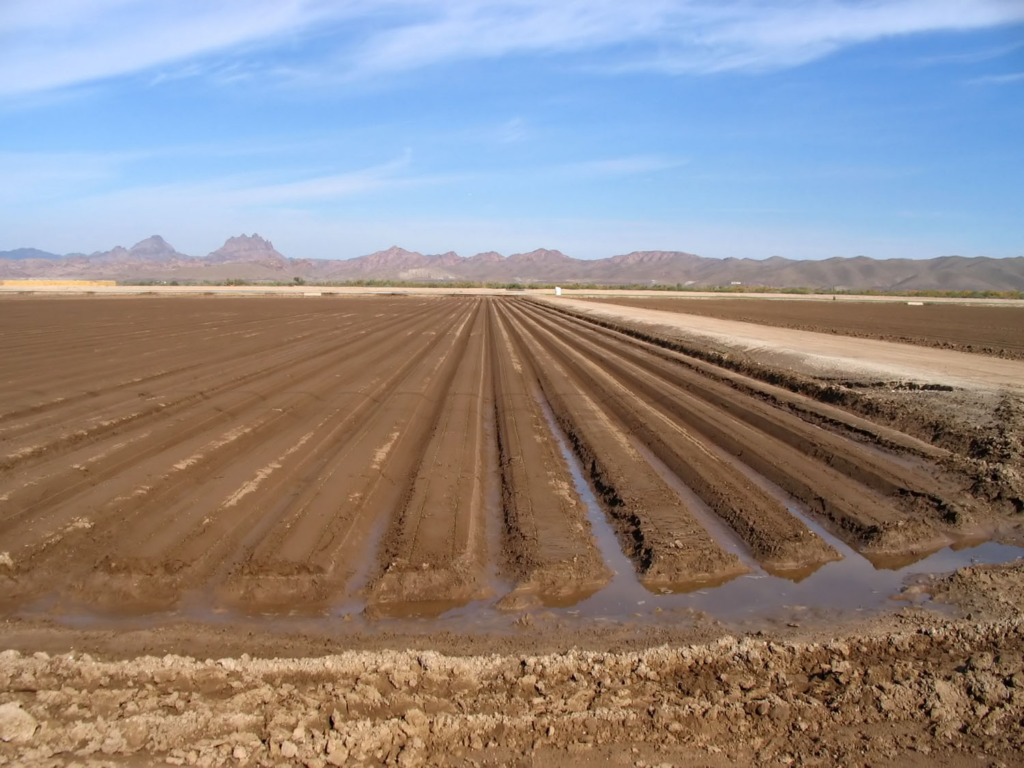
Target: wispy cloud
(51, 44)
(107, 178)
(971, 57)
(54, 43)
(512, 131)
(257, 190)
(623, 166)
(1011, 77)
(34, 176)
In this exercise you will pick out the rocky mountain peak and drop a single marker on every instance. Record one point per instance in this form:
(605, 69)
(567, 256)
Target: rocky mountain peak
(487, 257)
(245, 248)
(246, 243)
(541, 255)
(154, 247)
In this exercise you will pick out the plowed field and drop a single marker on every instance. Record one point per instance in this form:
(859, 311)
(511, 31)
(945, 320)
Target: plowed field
(602, 550)
(409, 455)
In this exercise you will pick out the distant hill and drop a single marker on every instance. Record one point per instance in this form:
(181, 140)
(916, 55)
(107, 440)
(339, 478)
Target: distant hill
(20, 254)
(252, 258)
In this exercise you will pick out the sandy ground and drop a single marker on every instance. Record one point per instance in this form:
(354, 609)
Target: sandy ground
(822, 355)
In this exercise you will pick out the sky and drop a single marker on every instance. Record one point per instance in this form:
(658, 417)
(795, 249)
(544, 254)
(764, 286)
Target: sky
(728, 128)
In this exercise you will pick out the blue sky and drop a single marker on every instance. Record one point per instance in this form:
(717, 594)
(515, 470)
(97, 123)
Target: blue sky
(746, 128)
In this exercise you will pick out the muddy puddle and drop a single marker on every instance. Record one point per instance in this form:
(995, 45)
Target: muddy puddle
(853, 584)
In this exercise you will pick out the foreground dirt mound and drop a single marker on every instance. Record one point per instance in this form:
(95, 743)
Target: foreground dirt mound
(927, 690)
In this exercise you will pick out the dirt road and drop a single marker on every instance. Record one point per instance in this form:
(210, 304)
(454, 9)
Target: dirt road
(820, 355)
(980, 328)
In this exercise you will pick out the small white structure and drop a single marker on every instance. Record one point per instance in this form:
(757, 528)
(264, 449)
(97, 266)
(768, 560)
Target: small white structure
(558, 291)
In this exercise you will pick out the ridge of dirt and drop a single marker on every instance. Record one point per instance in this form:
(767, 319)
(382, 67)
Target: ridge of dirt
(983, 432)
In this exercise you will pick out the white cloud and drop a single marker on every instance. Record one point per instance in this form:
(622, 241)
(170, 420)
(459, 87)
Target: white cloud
(29, 177)
(55, 43)
(623, 166)
(1012, 77)
(972, 57)
(512, 131)
(253, 191)
(105, 177)
(50, 44)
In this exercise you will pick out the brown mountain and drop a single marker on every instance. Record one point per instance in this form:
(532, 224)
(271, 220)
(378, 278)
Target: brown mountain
(245, 248)
(252, 258)
(155, 248)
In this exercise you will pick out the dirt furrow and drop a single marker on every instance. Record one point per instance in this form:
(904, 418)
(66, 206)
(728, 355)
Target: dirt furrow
(779, 541)
(194, 367)
(401, 457)
(807, 408)
(667, 544)
(550, 550)
(220, 405)
(434, 552)
(153, 507)
(210, 534)
(861, 516)
(189, 389)
(919, 491)
(316, 541)
(95, 361)
(105, 352)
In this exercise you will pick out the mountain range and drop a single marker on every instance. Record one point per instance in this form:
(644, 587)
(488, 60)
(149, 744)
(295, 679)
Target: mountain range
(254, 259)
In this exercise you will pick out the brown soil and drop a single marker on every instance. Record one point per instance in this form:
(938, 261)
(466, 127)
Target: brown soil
(997, 331)
(273, 455)
(977, 427)
(280, 477)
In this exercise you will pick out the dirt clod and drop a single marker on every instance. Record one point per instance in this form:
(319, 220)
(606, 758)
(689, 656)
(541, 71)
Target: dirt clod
(16, 725)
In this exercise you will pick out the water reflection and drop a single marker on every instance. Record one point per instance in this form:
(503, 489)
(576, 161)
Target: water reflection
(854, 582)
